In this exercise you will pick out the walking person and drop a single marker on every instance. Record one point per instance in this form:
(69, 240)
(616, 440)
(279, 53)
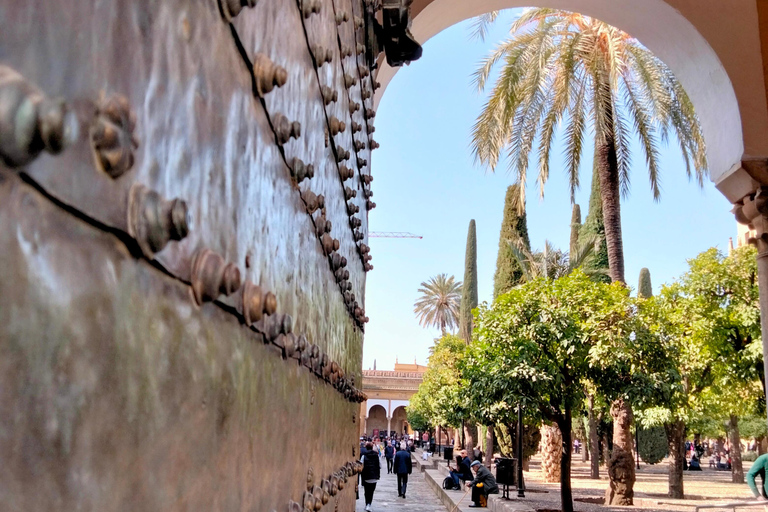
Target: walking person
(403, 468)
(483, 485)
(371, 473)
(389, 453)
(759, 468)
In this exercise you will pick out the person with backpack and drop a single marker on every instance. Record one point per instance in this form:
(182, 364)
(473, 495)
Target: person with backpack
(389, 453)
(403, 468)
(371, 473)
(461, 473)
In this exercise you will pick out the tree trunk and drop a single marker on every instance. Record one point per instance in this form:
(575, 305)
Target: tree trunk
(488, 447)
(621, 467)
(504, 440)
(606, 449)
(759, 445)
(566, 494)
(610, 194)
(470, 439)
(594, 442)
(676, 442)
(551, 447)
(737, 469)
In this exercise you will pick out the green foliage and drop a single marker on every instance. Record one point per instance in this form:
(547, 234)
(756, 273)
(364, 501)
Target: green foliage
(540, 341)
(438, 304)
(749, 456)
(594, 229)
(709, 324)
(469, 291)
(753, 426)
(439, 398)
(579, 428)
(417, 417)
(717, 304)
(513, 228)
(644, 288)
(652, 444)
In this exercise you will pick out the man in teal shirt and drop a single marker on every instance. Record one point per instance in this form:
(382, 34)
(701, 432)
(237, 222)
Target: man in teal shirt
(759, 467)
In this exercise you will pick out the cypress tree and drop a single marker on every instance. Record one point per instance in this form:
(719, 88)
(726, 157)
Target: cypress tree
(575, 228)
(513, 227)
(644, 288)
(594, 228)
(469, 291)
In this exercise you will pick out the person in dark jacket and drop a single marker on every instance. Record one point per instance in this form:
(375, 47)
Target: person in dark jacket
(462, 473)
(389, 454)
(482, 485)
(403, 468)
(371, 473)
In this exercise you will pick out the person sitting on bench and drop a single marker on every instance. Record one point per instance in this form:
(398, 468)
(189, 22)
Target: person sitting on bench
(462, 473)
(483, 484)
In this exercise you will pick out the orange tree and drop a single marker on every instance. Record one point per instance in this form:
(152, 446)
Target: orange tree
(539, 344)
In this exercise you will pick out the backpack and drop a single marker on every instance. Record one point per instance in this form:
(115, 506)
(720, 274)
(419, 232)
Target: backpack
(448, 484)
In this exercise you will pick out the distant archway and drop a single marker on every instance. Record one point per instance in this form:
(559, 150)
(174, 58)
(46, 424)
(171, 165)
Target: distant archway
(377, 420)
(400, 421)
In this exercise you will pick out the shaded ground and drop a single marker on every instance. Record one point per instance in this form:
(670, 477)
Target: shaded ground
(708, 485)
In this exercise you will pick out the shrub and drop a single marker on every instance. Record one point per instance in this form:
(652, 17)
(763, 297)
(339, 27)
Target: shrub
(652, 444)
(749, 456)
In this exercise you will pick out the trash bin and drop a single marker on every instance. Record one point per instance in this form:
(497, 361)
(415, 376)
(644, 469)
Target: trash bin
(448, 453)
(505, 471)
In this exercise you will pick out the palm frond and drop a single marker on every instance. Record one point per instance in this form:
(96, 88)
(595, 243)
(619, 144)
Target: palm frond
(562, 68)
(481, 24)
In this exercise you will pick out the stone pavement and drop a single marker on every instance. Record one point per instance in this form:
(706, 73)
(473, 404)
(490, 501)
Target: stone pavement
(419, 497)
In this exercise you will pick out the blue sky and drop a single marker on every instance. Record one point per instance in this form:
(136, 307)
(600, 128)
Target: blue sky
(427, 183)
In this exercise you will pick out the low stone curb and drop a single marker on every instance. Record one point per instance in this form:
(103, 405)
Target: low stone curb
(434, 477)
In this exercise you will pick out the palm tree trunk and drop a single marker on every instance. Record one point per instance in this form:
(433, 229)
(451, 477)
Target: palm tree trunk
(551, 452)
(621, 467)
(610, 194)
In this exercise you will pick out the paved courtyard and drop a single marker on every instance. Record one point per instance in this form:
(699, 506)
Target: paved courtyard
(419, 498)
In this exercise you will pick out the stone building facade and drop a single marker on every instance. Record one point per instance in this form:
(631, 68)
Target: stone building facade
(389, 392)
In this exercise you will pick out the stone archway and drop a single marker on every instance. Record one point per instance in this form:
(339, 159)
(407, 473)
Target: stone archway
(376, 420)
(400, 421)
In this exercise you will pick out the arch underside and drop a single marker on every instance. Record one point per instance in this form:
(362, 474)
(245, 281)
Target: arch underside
(713, 48)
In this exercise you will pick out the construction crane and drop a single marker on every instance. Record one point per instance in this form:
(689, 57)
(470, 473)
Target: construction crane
(392, 234)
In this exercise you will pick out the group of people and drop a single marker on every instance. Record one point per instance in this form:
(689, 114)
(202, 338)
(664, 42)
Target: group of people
(397, 454)
(398, 457)
(475, 476)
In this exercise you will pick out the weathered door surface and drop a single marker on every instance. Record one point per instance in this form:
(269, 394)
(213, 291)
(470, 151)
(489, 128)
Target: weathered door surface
(184, 197)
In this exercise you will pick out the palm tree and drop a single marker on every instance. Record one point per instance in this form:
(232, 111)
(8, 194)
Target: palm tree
(439, 302)
(552, 262)
(565, 67)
